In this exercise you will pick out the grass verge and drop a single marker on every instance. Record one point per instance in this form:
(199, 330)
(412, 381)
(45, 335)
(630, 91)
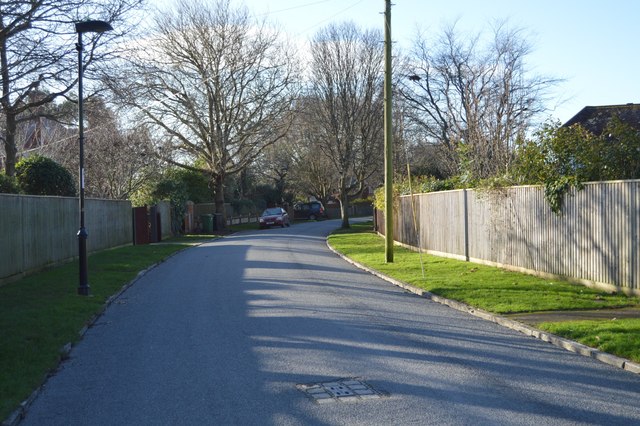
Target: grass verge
(42, 312)
(489, 288)
(499, 291)
(191, 239)
(620, 337)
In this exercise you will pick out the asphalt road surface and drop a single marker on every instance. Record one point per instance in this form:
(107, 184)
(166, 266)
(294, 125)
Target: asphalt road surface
(271, 328)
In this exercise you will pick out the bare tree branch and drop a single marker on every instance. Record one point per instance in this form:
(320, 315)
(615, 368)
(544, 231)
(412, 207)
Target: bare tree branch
(473, 99)
(37, 45)
(346, 89)
(216, 87)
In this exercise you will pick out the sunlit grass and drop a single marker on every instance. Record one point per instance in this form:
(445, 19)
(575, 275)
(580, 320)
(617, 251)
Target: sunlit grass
(490, 288)
(620, 337)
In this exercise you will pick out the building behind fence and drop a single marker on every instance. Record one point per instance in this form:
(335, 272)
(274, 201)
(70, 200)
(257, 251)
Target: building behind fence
(594, 241)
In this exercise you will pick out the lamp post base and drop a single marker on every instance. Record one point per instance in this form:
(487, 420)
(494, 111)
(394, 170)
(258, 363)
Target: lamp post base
(83, 288)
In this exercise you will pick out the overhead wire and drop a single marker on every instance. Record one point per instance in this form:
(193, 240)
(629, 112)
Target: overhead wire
(293, 7)
(316, 24)
(330, 17)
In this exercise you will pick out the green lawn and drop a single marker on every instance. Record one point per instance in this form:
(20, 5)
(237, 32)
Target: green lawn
(489, 288)
(619, 337)
(42, 312)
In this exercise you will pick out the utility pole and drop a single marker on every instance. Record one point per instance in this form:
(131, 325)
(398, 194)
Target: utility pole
(388, 138)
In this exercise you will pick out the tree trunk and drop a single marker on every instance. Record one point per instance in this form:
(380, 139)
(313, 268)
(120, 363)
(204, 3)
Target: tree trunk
(344, 205)
(10, 148)
(219, 197)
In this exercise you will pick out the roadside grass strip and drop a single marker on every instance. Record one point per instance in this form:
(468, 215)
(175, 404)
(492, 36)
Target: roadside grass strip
(620, 337)
(490, 288)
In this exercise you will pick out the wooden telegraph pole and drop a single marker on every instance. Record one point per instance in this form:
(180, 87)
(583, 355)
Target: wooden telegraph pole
(388, 138)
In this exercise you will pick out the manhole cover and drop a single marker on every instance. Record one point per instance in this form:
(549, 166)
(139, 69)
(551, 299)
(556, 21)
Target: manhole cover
(343, 390)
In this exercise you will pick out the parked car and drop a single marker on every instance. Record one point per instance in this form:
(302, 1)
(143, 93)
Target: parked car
(275, 216)
(312, 210)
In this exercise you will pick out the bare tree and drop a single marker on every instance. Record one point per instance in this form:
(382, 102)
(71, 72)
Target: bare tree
(274, 166)
(118, 161)
(37, 55)
(314, 175)
(473, 100)
(347, 104)
(215, 86)
(309, 171)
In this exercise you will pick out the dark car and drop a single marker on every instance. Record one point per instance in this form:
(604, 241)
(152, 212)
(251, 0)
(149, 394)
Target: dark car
(274, 216)
(312, 210)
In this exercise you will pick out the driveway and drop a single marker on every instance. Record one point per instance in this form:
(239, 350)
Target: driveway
(271, 328)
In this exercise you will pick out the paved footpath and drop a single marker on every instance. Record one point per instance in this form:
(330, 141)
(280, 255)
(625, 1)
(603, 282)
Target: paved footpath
(271, 328)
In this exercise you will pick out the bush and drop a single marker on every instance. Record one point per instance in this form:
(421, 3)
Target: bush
(38, 175)
(364, 201)
(418, 185)
(8, 184)
(243, 207)
(562, 158)
(175, 191)
(196, 184)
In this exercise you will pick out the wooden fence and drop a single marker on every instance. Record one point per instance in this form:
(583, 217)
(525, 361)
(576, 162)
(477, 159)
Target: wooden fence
(38, 231)
(594, 241)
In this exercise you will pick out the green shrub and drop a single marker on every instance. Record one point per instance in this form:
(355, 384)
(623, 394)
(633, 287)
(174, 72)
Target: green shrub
(8, 184)
(196, 184)
(38, 175)
(418, 185)
(243, 207)
(175, 191)
(368, 200)
(563, 158)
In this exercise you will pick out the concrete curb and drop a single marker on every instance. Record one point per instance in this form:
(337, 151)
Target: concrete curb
(561, 342)
(65, 352)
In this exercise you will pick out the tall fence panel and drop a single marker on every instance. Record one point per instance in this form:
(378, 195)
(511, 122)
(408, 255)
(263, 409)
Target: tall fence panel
(108, 223)
(37, 231)
(164, 208)
(11, 242)
(595, 240)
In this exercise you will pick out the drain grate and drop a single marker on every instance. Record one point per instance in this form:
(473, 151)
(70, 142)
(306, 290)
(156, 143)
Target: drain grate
(343, 390)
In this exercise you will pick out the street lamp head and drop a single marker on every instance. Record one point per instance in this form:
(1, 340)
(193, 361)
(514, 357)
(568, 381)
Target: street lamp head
(92, 27)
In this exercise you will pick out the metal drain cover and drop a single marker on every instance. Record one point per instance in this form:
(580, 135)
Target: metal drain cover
(343, 390)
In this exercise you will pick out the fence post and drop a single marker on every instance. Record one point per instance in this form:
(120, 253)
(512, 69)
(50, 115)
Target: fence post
(466, 224)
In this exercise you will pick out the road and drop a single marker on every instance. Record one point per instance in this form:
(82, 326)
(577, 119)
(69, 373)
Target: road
(255, 328)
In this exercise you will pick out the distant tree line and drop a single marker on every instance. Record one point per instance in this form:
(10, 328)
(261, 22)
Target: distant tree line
(213, 105)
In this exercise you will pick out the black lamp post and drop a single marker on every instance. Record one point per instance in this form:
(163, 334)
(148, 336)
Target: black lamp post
(81, 28)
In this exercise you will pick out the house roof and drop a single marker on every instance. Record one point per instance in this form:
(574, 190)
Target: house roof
(41, 131)
(596, 118)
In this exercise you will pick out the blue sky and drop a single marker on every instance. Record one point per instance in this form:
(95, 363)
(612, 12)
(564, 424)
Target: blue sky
(592, 44)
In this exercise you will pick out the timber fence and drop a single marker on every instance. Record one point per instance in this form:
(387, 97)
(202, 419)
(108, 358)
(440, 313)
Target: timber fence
(37, 231)
(594, 241)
